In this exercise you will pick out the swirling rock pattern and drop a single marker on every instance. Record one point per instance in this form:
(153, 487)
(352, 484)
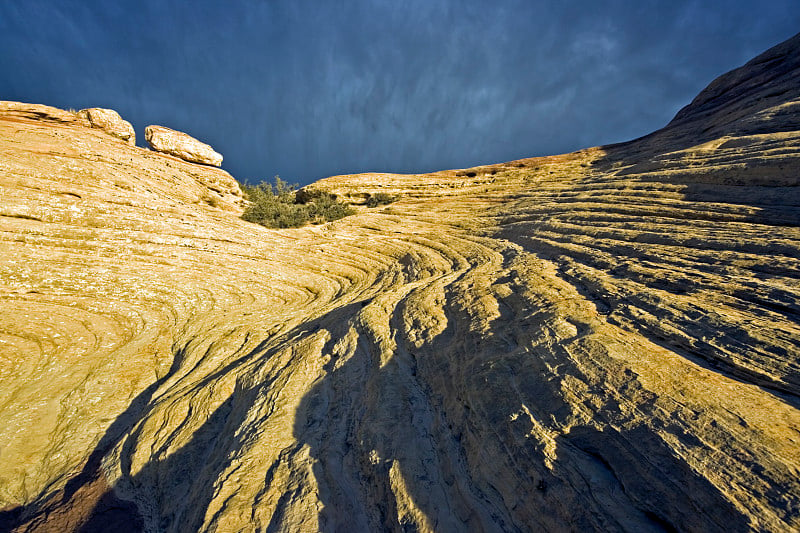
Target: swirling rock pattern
(606, 340)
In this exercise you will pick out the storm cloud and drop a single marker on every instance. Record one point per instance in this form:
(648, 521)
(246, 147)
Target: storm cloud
(310, 89)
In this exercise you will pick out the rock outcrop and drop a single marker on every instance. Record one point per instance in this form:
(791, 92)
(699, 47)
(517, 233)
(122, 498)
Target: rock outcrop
(40, 112)
(109, 121)
(607, 340)
(181, 145)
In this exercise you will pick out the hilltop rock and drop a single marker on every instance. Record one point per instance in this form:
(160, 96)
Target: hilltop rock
(761, 83)
(181, 145)
(40, 112)
(76, 169)
(109, 121)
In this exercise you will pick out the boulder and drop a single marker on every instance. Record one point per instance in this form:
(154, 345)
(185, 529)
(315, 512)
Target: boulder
(109, 121)
(179, 144)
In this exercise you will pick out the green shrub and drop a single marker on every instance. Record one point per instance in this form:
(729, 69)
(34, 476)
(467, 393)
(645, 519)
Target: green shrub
(277, 207)
(380, 198)
(308, 194)
(325, 207)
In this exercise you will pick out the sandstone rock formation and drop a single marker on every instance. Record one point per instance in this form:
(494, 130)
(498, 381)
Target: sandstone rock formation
(607, 340)
(179, 144)
(109, 121)
(40, 112)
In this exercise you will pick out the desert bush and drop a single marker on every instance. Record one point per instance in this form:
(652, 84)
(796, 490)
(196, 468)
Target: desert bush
(326, 207)
(276, 206)
(308, 194)
(380, 198)
(273, 206)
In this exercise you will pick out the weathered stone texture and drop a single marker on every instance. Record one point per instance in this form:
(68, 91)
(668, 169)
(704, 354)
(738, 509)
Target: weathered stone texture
(111, 122)
(181, 145)
(607, 340)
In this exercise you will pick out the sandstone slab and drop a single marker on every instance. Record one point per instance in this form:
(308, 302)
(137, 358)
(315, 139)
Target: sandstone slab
(111, 122)
(39, 112)
(181, 145)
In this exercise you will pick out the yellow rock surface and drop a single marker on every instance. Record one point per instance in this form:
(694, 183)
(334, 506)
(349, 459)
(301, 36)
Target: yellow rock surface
(606, 340)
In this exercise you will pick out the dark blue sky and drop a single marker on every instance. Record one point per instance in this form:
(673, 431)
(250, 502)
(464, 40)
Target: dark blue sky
(308, 89)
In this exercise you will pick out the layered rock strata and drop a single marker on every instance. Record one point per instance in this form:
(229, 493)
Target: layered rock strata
(181, 145)
(607, 340)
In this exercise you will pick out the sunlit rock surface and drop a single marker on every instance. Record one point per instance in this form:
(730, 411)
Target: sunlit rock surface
(181, 145)
(600, 341)
(109, 121)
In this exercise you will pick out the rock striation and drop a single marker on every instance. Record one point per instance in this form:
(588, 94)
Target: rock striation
(607, 340)
(109, 121)
(181, 145)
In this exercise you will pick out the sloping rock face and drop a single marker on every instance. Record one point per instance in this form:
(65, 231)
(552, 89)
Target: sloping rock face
(40, 112)
(179, 144)
(607, 340)
(759, 87)
(109, 121)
